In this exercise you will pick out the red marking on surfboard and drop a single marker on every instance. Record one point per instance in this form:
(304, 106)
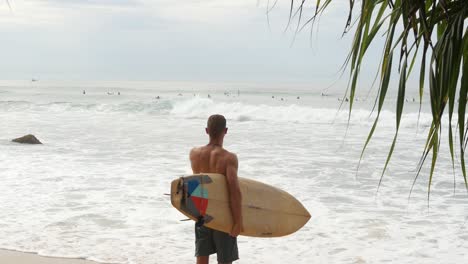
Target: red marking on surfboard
(200, 203)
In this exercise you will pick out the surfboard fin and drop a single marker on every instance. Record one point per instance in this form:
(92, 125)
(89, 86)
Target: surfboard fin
(208, 218)
(203, 220)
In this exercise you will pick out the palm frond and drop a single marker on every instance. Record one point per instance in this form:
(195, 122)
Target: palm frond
(439, 26)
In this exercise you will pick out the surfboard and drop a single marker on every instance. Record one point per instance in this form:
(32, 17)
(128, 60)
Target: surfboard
(266, 210)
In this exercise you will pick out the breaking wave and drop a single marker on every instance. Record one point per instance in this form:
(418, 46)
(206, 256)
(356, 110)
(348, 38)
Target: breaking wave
(203, 107)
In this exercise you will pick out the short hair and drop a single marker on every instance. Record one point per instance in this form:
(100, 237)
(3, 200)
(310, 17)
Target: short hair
(216, 125)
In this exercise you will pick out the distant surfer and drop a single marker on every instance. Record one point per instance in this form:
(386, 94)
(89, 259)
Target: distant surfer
(213, 158)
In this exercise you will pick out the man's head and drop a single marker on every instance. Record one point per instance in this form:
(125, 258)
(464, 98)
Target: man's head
(216, 126)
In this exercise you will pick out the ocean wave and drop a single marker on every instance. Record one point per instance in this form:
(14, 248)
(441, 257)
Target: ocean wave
(128, 107)
(201, 108)
(204, 107)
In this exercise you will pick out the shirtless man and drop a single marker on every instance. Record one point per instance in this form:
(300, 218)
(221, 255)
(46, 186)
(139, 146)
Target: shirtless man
(213, 158)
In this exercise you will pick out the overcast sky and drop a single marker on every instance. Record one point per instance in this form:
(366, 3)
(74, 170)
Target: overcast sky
(190, 40)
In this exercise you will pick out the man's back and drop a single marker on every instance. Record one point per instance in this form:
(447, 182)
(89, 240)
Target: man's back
(210, 159)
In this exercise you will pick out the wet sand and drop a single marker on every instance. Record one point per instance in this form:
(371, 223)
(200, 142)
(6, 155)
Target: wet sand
(16, 257)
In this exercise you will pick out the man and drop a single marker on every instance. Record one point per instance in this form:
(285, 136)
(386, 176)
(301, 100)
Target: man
(213, 158)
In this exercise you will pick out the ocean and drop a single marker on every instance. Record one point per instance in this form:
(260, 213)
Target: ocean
(95, 188)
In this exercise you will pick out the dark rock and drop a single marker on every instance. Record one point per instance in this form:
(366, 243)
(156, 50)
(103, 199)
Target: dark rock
(28, 139)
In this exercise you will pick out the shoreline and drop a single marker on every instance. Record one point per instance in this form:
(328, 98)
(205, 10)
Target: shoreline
(19, 257)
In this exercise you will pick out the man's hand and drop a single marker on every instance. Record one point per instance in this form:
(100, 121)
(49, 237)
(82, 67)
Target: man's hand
(236, 230)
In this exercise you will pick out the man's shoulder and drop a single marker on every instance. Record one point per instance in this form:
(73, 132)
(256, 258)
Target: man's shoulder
(195, 151)
(231, 156)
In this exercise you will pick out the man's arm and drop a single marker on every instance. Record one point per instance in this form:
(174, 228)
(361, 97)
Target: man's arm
(235, 196)
(193, 160)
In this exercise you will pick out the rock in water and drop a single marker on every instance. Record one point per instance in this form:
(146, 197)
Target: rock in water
(28, 139)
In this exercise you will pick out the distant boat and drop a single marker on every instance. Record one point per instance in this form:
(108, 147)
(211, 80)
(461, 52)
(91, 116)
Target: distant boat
(34, 80)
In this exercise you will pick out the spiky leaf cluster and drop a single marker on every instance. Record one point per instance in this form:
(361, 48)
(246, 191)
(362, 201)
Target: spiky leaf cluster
(432, 32)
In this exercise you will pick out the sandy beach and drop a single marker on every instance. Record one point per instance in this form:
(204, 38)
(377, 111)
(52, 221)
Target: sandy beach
(16, 257)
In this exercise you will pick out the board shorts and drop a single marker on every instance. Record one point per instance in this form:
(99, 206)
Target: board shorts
(209, 241)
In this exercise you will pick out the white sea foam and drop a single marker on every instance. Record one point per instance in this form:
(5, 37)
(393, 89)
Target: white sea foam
(202, 107)
(95, 188)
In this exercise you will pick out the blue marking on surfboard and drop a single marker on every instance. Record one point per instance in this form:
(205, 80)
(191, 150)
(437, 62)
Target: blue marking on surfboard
(192, 185)
(200, 192)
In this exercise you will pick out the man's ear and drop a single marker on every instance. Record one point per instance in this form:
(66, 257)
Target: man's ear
(225, 130)
(206, 130)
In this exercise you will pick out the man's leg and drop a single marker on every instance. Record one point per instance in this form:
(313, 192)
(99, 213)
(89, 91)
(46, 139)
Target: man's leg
(226, 247)
(203, 259)
(204, 245)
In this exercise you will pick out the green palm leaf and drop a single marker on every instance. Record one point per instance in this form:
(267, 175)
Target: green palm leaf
(446, 69)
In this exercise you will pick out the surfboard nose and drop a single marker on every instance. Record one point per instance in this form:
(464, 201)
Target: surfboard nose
(306, 213)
